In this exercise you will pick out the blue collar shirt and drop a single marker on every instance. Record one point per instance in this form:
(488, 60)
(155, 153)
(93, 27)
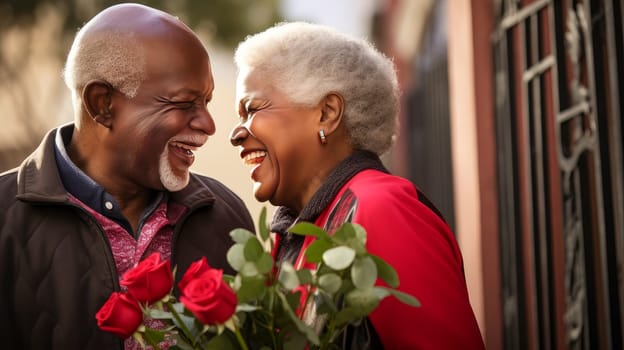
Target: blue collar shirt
(88, 191)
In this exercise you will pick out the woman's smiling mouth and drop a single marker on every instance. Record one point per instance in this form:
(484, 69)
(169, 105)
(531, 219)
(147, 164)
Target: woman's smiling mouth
(254, 157)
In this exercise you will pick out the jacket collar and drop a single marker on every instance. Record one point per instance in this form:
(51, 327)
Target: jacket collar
(360, 160)
(38, 177)
(284, 218)
(196, 194)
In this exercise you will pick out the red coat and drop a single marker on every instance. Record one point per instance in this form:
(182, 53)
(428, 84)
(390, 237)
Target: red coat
(421, 247)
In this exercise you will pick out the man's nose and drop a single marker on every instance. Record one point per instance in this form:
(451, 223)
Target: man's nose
(204, 122)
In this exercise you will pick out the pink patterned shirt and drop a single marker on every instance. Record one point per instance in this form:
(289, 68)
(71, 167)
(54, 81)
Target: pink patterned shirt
(155, 236)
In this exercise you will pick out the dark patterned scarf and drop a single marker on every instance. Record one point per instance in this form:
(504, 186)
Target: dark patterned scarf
(284, 217)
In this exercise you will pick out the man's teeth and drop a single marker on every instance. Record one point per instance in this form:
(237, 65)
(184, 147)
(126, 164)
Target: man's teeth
(253, 157)
(189, 149)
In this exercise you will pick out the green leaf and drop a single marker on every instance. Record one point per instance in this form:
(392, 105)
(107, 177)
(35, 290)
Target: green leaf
(288, 276)
(360, 232)
(330, 282)
(251, 288)
(263, 229)
(238, 280)
(159, 314)
(344, 233)
(381, 292)
(305, 276)
(302, 327)
(181, 343)
(246, 307)
(339, 258)
(386, 272)
(222, 342)
(178, 307)
(364, 273)
(241, 235)
(153, 336)
(253, 249)
(229, 279)
(346, 315)
(314, 252)
(325, 303)
(308, 229)
(295, 341)
(357, 245)
(363, 300)
(293, 299)
(242, 316)
(265, 263)
(188, 321)
(249, 269)
(351, 235)
(236, 256)
(403, 297)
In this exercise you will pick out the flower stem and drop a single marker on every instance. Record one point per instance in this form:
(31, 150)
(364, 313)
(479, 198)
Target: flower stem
(175, 314)
(152, 343)
(240, 339)
(271, 327)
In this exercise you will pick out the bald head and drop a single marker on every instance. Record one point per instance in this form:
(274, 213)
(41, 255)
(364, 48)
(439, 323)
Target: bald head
(112, 46)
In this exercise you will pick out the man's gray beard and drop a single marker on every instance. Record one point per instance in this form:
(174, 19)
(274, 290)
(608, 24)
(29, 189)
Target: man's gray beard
(168, 178)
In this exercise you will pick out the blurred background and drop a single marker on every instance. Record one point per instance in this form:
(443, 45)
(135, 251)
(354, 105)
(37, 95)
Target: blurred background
(510, 123)
(36, 36)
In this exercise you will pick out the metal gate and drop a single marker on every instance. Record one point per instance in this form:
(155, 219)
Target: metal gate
(559, 83)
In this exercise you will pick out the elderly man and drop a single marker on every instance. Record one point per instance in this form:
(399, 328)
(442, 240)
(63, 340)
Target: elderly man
(102, 193)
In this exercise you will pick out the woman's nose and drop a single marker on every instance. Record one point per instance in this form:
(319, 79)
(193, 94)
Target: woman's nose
(238, 135)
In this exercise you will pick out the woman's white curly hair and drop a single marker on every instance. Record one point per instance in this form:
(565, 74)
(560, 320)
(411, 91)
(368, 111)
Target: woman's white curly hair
(307, 61)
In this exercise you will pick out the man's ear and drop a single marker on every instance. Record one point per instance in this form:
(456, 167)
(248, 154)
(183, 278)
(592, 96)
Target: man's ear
(332, 107)
(97, 99)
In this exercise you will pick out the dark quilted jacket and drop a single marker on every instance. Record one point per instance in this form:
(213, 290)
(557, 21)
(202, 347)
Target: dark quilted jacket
(56, 268)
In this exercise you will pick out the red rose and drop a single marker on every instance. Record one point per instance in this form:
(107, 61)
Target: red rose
(150, 280)
(120, 315)
(209, 298)
(195, 270)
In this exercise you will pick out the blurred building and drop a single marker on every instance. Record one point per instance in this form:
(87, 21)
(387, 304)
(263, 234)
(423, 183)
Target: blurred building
(522, 97)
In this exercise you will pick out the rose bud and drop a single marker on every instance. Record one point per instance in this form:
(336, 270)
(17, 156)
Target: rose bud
(150, 281)
(120, 315)
(209, 298)
(196, 269)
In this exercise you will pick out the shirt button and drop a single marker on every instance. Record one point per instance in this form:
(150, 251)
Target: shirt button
(108, 205)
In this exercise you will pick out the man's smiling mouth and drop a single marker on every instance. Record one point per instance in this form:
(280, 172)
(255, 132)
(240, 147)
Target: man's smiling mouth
(185, 148)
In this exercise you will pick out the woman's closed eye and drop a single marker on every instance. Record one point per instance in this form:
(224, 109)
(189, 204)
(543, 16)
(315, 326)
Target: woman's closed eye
(246, 114)
(247, 109)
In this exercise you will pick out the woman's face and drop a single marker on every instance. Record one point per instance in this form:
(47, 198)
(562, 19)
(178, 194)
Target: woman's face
(278, 140)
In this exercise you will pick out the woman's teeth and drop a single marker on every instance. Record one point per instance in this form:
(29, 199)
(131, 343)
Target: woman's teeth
(254, 157)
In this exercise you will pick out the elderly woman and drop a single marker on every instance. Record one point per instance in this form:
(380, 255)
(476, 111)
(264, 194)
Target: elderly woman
(316, 109)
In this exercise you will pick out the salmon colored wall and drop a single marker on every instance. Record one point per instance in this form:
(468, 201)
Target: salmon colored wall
(473, 146)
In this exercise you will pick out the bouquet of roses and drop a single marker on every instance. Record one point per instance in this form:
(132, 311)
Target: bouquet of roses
(259, 307)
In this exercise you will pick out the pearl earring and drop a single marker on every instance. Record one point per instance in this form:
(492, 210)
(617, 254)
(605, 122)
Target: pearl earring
(322, 136)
